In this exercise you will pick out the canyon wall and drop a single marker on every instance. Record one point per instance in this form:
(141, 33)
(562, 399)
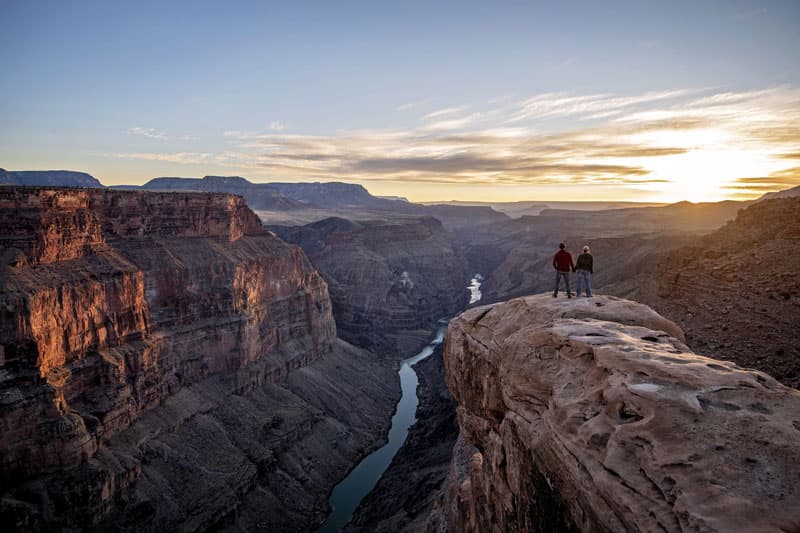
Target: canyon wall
(593, 415)
(735, 292)
(167, 363)
(390, 280)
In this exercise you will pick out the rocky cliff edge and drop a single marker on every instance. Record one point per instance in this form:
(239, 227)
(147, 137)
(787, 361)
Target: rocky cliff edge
(593, 415)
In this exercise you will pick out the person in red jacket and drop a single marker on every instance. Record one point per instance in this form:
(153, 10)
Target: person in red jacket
(563, 264)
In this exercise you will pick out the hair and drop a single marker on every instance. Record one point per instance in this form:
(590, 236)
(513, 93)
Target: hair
(586, 249)
(562, 245)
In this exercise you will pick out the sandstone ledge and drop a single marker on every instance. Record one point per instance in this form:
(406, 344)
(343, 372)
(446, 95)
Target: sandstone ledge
(593, 415)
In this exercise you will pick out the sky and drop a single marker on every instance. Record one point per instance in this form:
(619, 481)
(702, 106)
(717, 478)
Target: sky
(496, 100)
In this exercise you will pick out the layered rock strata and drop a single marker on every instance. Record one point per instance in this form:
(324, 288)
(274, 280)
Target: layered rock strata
(593, 415)
(167, 363)
(389, 280)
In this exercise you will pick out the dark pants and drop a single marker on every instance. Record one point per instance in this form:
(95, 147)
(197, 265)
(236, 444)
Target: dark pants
(559, 275)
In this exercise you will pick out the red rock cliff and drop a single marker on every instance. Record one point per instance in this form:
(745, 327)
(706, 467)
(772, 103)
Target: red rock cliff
(114, 302)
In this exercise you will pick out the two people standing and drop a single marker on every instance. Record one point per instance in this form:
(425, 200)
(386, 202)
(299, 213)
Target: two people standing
(562, 262)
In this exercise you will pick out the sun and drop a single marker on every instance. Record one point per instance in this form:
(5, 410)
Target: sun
(710, 168)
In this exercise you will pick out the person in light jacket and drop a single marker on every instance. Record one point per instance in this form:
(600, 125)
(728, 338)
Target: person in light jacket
(585, 268)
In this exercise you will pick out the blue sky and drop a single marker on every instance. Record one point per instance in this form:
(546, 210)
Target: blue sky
(429, 100)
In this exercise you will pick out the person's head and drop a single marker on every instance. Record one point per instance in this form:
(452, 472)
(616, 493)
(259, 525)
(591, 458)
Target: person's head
(561, 245)
(586, 249)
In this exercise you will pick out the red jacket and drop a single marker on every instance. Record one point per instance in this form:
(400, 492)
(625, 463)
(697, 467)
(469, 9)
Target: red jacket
(562, 261)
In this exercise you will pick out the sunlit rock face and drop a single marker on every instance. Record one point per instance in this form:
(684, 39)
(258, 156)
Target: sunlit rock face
(387, 278)
(593, 415)
(151, 348)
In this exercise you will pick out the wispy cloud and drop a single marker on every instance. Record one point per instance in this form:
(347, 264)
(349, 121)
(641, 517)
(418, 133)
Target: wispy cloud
(591, 106)
(454, 123)
(444, 112)
(677, 144)
(277, 125)
(153, 133)
(782, 179)
(170, 157)
(408, 106)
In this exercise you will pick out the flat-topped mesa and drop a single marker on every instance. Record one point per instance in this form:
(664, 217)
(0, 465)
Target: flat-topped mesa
(258, 195)
(593, 415)
(113, 301)
(48, 178)
(44, 225)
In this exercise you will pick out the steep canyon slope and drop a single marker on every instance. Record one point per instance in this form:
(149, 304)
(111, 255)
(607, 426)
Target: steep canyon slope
(165, 363)
(735, 292)
(390, 280)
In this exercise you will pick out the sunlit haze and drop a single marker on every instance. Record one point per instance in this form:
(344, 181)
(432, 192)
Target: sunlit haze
(478, 101)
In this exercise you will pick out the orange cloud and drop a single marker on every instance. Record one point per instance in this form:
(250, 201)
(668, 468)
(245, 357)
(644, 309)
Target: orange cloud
(677, 144)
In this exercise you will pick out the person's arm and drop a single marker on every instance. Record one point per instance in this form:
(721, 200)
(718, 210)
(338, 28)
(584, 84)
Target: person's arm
(571, 263)
(555, 264)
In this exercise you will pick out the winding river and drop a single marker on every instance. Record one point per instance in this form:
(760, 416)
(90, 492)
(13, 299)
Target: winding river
(362, 479)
